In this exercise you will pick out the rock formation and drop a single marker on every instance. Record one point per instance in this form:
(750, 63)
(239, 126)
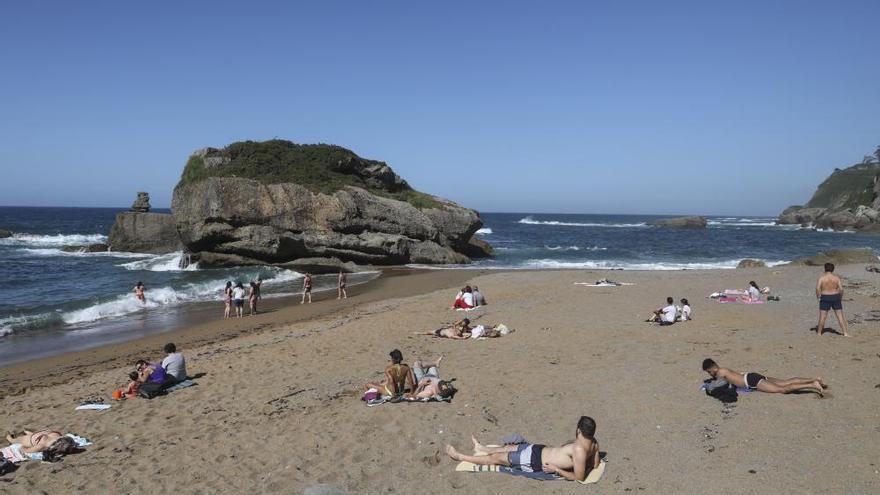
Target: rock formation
(5, 233)
(751, 264)
(137, 232)
(681, 222)
(88, 248)
(839, 257)
(279, 202)
(142, 203)
(848, 199)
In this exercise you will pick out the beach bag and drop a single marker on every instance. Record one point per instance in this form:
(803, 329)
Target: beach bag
(721, 390)
(369, 395)
(150, 390)
(445, 388)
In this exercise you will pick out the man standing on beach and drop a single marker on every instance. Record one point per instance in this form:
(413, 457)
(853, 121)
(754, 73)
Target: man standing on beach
(829, 292)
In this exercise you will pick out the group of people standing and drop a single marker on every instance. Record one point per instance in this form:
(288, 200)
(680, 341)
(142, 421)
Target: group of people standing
(233, 295)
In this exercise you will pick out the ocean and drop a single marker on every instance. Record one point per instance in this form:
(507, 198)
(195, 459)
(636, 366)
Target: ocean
(53, 301)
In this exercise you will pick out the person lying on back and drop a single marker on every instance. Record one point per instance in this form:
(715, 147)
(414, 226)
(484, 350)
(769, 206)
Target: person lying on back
(572, 461)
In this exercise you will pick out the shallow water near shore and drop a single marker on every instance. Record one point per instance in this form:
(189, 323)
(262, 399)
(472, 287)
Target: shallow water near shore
(52, 301)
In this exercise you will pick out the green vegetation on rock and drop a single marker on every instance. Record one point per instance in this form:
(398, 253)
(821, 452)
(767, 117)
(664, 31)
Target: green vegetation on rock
(323, 168)
(847, 188)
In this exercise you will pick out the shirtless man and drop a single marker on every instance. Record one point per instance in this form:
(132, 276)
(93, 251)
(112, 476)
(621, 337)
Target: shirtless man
(829, 292)
(757, 381)
(398, 377)
(459, 330)
(307, 288)
(426, 378)
(572, 461)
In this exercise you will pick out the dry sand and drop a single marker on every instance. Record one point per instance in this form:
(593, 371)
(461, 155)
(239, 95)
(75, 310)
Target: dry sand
(277, 409)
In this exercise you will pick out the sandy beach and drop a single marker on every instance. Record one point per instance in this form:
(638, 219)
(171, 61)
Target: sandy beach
(277, 409)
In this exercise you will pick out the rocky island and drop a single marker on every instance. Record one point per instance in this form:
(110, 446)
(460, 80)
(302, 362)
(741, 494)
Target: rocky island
(849, 199)
(298, 205)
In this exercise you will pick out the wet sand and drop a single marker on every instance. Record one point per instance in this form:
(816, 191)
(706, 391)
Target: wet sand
(277, 410)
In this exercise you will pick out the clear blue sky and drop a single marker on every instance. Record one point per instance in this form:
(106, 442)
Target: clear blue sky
(616, 106)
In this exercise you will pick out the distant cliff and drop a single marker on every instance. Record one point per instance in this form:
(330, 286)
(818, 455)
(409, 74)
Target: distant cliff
(279, 202)
(849, 199)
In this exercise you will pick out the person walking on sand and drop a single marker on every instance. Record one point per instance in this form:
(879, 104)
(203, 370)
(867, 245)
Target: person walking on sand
(139, 292)
(238, 299)
(340, 286)
(307, 288)
(761, 383)
(829, 292)
(572, 461)
(227, 299)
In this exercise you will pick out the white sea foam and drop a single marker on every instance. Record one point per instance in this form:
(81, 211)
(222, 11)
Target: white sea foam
(37, 240)
(574, 248)
(531, 221)
(163, 263)
(484, 231)
(625, 265)
(83, 253)
(11, 324)
(126, 304)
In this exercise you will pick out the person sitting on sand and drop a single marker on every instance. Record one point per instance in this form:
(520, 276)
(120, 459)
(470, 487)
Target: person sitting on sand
(665, 315)
(131, 388)
(479, 299)
(459, 330)
(466, 300)
(684, 311)
(426, 376)
(139, 292)
(757, 381)
(398, 377)
(572, 461)
(51, 443)
(150, 372)
(174, 364)
(754, 293)
(829, 292)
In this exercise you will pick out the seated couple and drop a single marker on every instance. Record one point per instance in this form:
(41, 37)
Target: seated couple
(468, 298)
(671, 313)
(152, 377)
(52, 444)
(419, 381)
(572, 461)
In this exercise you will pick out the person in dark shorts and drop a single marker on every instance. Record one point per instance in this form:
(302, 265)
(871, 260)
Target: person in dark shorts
(829, 291)
(572, 461)
(757, 381)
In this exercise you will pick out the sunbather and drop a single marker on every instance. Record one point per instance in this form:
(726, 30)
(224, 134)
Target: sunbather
(427, 379)
(459, 330)
(572, 461)
(398, 377)
(757, 381)
(50, 443)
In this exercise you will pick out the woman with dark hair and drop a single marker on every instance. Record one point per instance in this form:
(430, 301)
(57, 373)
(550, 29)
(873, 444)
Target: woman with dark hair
(139, 292)
(754, 291)
(238, 299)
(227, 298)
(253, 295)
(52, 444)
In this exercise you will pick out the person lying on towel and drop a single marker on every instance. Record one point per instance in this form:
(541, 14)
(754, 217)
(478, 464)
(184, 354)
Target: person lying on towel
(459, 330)
(427, 379)
(757, 381)
(572, 461)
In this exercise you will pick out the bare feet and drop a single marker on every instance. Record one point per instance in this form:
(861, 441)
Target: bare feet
(821, 382)
(438, 361)
(818, 386)
(478, 447)
(452, 453)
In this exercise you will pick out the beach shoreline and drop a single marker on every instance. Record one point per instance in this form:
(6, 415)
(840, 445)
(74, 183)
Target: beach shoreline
(393, 282)
(278, 409)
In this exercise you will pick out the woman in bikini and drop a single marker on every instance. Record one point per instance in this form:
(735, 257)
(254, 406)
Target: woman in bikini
(459, 330)
(398, 377)
(50, 443)
(227, 299)
(139, 292)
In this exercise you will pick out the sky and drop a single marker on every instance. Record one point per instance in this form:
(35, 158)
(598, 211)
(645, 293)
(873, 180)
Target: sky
(688, 107)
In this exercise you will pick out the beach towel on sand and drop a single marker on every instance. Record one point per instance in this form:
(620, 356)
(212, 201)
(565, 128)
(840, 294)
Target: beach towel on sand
(183, 384)
(386, 398)
(606, 284)
(468, 467)
(725, 300)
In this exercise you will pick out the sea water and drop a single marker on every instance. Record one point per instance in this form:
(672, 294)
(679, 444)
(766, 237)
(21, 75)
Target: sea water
(51, 300)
